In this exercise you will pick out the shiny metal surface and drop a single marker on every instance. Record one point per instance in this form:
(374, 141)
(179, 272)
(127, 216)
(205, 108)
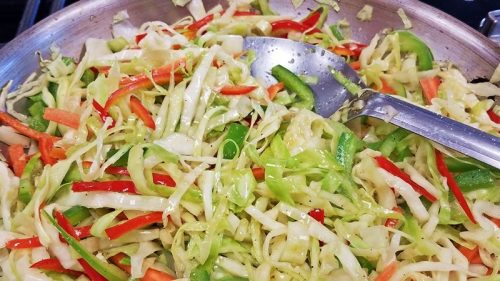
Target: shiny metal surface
(330, 95)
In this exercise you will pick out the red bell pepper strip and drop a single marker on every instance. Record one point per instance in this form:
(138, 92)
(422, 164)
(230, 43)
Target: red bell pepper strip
(9, 120)
(387, 165)
(116, 260)
(90, 272)
(430, 88)
(139, 37)
(62, 117)
(178, 77)
(236, 90)
(101, 69)
(55, 266)
(17, 158)
(386, 88)
(163, 179)
(111, 186)
(245, 13)
(81, 232)
(388, 272)
(195, 26)
(259, 173)
(283, 27)
(160, 75)
(471, 254)
(65, 224)
(349, 49)
(274, 89)
(156, 275)
(318, 214)
(356, 65)
(57, 153)
(23, 243)
(452, 184)
(45, 145)
(118, 230)
(312, 19)
(392, 223)
(142, 112)
(120, 171)
(493, 116)
(103, 114)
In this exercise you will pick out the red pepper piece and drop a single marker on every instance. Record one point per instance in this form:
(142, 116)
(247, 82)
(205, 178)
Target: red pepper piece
(45, 145)
(134, 223)
(90, 272)
(58, 153)
(259, 173)
(274, 89)
(103, 114)
(54, 265)
(17, 158)
(163, 179)
(23, 243)
(493, 116)
(111, 186)
(156, 275)
(318, 214)
(195, 26)
(388, 272)
(116, 260)
(245, 13)
(142, 112)
(452, 184)
(312, 19)
(430, 88)
(283, 27)
(236, 90)
(160, 75)
(139, 37)
(356, 65)
(65, 224)
(62, 117)
(349, 49)
(387, 165)
(83, 231)
(178, 77)
(10, 121)
(386, 88)
(121, 171)
(392, 223)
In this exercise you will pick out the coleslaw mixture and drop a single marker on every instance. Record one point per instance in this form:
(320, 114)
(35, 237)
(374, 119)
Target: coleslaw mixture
(157, 156)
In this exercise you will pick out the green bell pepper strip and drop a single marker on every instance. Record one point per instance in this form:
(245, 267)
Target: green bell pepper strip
(199, 274)
(108, 271)
(464, 164)
(37, 109)
(52, 87)
(366, 264)
(263, 6)
(294, 84)
(474, 180)
(88, 77)
(350, 86)
(122, 161)
(390, 142)
(35, 98)
(26, 185)
(38, 123)
(337, 32)
(234, 140)
(76, 214)
(346, 148)
(117, 44)
(410, 43)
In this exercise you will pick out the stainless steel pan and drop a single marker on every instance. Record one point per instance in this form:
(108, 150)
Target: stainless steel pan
(449, 38)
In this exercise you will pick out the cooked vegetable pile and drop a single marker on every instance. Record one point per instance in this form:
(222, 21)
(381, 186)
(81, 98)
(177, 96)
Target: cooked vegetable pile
(157, 156)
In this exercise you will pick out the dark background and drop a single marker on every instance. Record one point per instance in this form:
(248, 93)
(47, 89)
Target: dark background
(469, 11)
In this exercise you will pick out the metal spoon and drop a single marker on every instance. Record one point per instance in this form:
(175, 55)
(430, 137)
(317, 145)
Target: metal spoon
(330, 95)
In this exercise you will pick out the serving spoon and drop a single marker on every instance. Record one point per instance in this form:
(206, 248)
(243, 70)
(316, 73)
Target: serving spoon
(330, 96)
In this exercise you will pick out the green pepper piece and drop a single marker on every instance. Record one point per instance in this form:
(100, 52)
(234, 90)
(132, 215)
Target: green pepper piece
(26, 184)
(52, 87)
(337, 32)
(38, 123)
(122, 161)
(410, 43)
(390, 142)
(108, 271)
(350, 86)
(68, 60)
(73, 174)
(76, 214)
(365, 264)
(474, 180)
(117, 44)
(88, 77)
(294, 84)
(35, 98)
(346, 148)
(235, 137)
(463, 164)
(126, 261)
(37, 109)
(199, 274)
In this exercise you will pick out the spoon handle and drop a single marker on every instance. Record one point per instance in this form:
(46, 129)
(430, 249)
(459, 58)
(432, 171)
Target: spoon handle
(445, 131)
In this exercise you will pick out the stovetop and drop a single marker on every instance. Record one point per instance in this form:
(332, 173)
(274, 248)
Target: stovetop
(18, 15)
